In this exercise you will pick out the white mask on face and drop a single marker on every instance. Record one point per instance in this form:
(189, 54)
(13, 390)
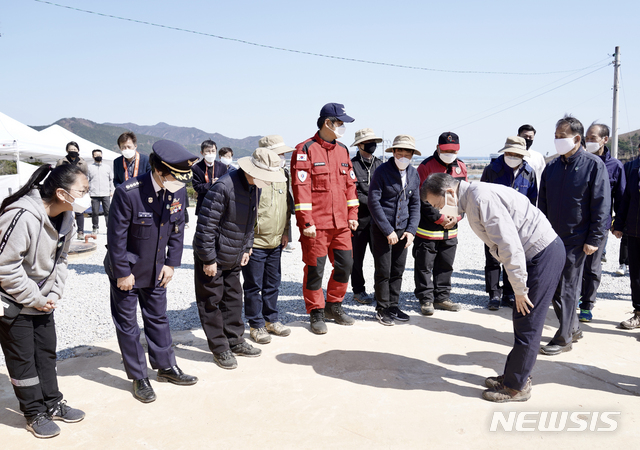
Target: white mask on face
(226, 161)
(402, 163)
(128, 153)
(512, 161)
(210, 158)
(447, 158)
(261, 184)
(283, 161)
(339, 131)
(564, 146)
(172, 186)
(593, 147)
(81, 204)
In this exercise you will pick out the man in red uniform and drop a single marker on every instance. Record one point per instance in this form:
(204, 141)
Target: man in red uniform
(326, 205)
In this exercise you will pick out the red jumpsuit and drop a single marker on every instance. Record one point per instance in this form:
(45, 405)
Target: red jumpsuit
(324, 193)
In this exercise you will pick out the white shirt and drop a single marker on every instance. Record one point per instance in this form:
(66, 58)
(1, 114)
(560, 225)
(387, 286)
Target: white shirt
(537, 162)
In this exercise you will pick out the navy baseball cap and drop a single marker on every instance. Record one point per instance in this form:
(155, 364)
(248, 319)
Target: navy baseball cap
(449, 141)
(176, 158)
(336, 110)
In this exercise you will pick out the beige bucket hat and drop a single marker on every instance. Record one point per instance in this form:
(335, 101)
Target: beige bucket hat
(264, 165)
(274, 142)
(515, 144)
(366, 134)
(406, 142)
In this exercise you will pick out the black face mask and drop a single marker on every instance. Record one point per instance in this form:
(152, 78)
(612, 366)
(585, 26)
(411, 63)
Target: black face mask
(72, 154)
(98, 159)
(529, 143)
(370, 147)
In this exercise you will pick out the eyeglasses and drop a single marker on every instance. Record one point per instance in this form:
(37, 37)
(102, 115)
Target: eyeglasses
(82, 193)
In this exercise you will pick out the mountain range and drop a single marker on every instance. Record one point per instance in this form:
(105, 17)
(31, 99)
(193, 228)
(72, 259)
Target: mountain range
(106, 135)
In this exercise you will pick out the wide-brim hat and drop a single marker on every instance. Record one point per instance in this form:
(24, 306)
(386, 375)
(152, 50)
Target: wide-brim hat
(275, 143)
(406, 142)
(176, 158)
(364, 135)
(264, 165)
(515, 144)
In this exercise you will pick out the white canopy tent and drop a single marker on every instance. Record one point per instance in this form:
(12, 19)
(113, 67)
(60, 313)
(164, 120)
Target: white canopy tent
(21, 142)
(58, 136)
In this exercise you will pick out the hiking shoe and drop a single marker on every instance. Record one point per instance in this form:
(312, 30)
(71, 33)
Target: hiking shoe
(95, 230)
(397, 314)
(555, 349)
(577, 335)
(246, 349)
(585, 315)
(61, 411)
(426, 308)
(80, 236)
(494, 304)
(621, 270)
(226, 360)
(503, 394)
(278, 329)
(508, 300)
(316, 318)
(334, 311)
(447, 305)
(383, 316)
(260, 335)
(42, 426)
(633, 322)
(495, 382)
(363, 298)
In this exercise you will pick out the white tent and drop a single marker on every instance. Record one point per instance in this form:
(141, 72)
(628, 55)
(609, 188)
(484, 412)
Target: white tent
(58, 136)
(21, 142)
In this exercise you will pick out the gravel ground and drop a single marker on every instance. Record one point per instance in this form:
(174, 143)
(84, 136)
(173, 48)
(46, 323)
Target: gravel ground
(83, 316)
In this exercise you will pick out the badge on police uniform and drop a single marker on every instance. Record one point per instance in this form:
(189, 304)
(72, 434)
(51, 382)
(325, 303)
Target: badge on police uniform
(458, 170)
(302, 175)
(175, 206)
(150, 199)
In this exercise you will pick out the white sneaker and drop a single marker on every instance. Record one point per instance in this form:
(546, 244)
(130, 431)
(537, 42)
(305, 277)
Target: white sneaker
(621, 270)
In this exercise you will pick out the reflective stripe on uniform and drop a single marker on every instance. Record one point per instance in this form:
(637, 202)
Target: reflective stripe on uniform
(351, 203)
(303, 207)
(440, 234)
(25, 383)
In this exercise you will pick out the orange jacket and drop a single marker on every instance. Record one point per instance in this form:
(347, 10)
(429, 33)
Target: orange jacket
(324, 189)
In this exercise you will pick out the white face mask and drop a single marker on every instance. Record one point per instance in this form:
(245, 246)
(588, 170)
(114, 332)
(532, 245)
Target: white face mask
(402, 163)
(339, 131)
(447, 158)
(226, 161)
(593, 147)
(512, 161)
(450, 209)
(564, 146)
(81, 204)
(210, 158)
(283, 161)
(261, 184)
(128, 153)
(172, 186)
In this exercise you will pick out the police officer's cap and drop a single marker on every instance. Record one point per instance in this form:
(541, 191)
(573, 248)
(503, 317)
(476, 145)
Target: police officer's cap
(176, 158)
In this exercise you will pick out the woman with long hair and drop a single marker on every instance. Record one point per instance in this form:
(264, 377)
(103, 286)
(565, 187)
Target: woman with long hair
(36, 228)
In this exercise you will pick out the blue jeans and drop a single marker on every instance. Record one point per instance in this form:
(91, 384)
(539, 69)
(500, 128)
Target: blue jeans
(261, 285)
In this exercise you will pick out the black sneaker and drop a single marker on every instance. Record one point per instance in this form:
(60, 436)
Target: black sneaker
(384, 317)
(246, 349)
(508, 300)
(226, 360)
(397, 314)
(494, 304)
(42, 426)
(65, 413)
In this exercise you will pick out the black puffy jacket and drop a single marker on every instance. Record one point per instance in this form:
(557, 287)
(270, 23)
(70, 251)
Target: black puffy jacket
(628, 216)
(226, 221)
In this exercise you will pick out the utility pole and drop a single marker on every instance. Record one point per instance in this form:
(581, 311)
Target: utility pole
(614, 124)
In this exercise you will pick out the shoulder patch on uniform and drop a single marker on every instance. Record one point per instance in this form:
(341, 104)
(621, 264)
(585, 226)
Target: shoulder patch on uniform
(302, 175)
(134, 185)
(318, 164)
(352, 175)
(301, 157)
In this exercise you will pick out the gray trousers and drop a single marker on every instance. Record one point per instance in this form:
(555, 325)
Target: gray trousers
(591, 278)
(565, 299)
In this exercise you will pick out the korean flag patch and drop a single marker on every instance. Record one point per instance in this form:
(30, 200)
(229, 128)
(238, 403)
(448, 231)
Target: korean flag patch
(301, 157)
(352, 175)
(302, 175)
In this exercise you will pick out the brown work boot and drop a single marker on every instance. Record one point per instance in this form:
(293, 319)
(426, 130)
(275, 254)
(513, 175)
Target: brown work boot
(633, 322)
(503, 394)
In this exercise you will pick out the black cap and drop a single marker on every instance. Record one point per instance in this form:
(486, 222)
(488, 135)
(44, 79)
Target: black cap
(176, 158)
(336, 110)
(449, 141)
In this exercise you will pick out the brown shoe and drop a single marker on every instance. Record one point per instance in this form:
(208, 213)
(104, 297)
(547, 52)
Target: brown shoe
(633, 322)
(504, 394)
(495, 382)
(447, 305)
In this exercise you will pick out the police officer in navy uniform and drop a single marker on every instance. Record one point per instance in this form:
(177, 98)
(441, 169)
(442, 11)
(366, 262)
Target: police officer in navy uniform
(145, 237)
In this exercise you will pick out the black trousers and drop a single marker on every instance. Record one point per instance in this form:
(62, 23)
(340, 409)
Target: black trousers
(80, 222)
(633, 244)
(153, 308)
(29, 347)
(95, 209)
(543, 273)
(591, 277)
(389, 263)
(624, 252)
(492, 269)
(565, 299)
(433, 268)
(360, 239)
(219, 301)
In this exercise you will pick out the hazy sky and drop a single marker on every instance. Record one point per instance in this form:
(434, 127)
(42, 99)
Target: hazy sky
(60, 63)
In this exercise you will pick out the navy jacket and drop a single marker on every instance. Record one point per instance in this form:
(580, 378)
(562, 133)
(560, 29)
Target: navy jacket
(226, 221)
(144, 233)
(364, 172)
(576, 198)
(628, 215)
(200, 184)
(118, 169)
(392, 206)
(617, 180)
(498, 172)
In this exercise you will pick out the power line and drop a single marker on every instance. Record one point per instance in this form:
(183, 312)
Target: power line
(302, 52)
(624, 97)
